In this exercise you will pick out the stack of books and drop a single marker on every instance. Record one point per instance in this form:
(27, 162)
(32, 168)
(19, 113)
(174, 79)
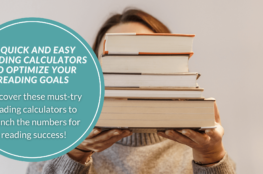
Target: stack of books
(148, 84)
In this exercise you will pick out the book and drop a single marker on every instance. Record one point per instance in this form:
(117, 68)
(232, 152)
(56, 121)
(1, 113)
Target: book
(156, 43)
(154, 93)
(148, 86)
(157, 114)
(179, 80)
(148, 63)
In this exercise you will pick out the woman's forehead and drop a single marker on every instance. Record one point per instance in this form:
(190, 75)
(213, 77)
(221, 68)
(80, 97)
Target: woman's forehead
(130, 27)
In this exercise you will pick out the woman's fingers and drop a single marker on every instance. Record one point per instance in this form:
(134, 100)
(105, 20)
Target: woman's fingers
(98, 141)
(99, 146)
(97, 138)
(215, 134)
(125, 133)
(94, 132)
(116, 138)
(104, 136)
(173, 135)
(192, 138)
(106, 144)
(197, 137)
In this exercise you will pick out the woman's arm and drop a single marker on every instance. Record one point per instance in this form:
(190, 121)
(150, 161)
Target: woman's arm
(224, 166)
(208, 149)
(65, 165)
(78, 162)
(97, 141)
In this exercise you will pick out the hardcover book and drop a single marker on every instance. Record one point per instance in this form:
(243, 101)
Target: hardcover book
(178, 80)
(156, 43)
(154, 93)
(148, 63)
(157, 114)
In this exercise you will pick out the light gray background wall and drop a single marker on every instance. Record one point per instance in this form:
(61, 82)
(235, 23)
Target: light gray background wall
(228, 53)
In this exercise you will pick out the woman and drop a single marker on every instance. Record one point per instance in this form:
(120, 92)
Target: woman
(120, 151)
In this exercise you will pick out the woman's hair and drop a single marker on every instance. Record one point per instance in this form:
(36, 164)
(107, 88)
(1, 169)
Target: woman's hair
(130, 15)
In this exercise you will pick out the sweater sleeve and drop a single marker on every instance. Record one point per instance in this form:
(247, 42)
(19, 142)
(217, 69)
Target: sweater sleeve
(225, 166)
(65, 165)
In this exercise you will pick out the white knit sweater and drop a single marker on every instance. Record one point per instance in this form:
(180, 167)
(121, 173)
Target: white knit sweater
(141, 153)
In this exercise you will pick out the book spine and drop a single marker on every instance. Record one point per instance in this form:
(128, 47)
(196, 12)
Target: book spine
(104, 45)
(105, 51)
(143, 53)
(121, 34)
(165, 34)
(150, 34)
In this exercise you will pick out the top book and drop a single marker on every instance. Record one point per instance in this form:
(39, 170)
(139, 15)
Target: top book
(155, 43)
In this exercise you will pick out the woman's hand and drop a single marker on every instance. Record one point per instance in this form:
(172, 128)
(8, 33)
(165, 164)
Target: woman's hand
(207, 147)
(97, 141)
